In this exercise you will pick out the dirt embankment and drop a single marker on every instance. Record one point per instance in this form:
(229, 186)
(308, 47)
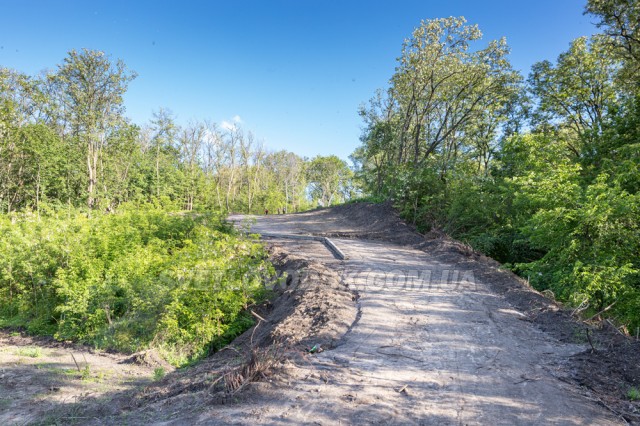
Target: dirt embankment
(607, 370)
(310, 312)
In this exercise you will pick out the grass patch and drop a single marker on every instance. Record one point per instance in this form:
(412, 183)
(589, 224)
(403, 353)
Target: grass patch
(31, 352)
(633, 394)
(85, 374)
(159, 373)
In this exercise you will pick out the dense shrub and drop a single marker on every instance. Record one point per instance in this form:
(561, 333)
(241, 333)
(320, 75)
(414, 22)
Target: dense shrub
(129, 280)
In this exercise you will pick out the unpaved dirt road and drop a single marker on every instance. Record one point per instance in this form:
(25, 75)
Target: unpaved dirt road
(414, 331)
(432, 344)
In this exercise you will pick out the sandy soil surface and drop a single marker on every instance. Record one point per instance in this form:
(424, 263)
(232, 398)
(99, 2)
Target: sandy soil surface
(409, 329)
(45, 382)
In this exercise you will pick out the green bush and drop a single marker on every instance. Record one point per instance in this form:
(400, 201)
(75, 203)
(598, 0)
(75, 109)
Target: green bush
(564, 228)
(130, 280)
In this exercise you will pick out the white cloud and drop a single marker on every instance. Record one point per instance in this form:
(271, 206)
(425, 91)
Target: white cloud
(227, 126)
(233, 124)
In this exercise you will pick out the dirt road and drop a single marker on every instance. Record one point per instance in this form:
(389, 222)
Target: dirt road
(412, 331)
(432, 344)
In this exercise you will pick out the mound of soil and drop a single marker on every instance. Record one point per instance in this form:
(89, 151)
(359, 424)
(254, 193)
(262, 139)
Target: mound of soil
(314, 308)
(373, 222)
(149, 358)
(311, 308)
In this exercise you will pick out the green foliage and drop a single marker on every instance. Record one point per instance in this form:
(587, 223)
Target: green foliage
(559, 204)
(329, 179)
(158, 373)
(621, 22)
(31, 352)
(85, 373)
(633, 394)
(367, 199)
(34, 168)
(579, 89)
(90, 89)
(129, 280)
(443, 88)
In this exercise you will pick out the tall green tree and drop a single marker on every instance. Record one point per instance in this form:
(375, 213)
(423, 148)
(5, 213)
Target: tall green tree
(579, 91)
(441, 85)
(163, 150)
(329, 178)
(446, 107)
(36, 163)
(621, 21)
(190, 140)
(90, 89)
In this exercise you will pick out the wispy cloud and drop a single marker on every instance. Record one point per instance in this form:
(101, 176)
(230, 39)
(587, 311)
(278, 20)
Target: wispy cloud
(230, 125)
(227, 126)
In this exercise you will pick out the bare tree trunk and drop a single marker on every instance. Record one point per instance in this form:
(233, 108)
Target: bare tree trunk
(38, 193)
(91, 178)
(158, 169)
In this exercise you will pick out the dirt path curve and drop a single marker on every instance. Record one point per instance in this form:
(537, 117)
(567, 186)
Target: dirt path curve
(432, 345)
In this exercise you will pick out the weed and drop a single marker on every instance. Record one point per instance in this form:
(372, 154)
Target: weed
(633, 394)
(31, 352)
(579, 336)
(69, 372)
(69, 414)
(158, 373)
(257, 365)
(85, 374)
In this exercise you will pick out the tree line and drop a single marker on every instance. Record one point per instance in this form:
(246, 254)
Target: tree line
(65, 141)
(540, 172)
(98, 244)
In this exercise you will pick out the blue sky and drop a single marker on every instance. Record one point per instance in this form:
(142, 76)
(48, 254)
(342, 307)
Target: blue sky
(294, 72)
